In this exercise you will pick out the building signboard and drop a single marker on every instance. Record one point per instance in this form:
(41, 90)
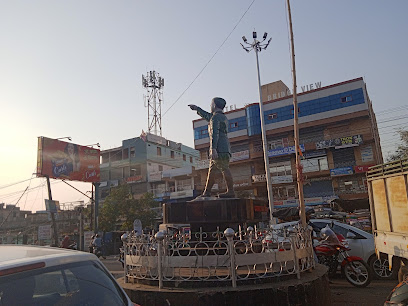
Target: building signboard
(241, 155)
(155, 176)
(52, 206)
(261, 208)
(156, 139)
(341, 142)
(341, 171)
(241, 184)
(367, 154)
(67, 161)
(362, 169)
(285, 151)
(44, 232)
(134, 179)
(275, 179)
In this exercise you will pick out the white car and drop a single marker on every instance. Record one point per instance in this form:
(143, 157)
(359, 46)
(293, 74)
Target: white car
(360, 242)
(32, 275)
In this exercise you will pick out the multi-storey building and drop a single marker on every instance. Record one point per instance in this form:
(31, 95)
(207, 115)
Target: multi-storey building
(150, 163)
(338, 136)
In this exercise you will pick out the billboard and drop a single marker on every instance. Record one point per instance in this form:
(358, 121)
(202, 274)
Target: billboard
(64, 160)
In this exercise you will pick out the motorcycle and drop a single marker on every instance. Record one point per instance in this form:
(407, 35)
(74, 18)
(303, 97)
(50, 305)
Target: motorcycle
(98, 252)
(333, 247)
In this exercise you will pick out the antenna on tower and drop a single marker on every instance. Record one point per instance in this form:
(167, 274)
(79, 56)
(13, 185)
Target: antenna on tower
(154, 84)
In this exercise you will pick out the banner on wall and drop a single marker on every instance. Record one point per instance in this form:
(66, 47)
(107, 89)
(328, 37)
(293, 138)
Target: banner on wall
(341, 142)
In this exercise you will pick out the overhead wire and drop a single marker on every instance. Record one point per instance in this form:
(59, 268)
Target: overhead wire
(211, 58)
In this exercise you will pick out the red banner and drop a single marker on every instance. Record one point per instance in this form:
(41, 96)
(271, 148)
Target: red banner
(261, 208)
(361, 169)
(64, 160)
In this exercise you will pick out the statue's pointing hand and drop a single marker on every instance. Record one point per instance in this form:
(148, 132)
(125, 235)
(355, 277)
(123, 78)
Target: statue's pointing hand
(193, 107)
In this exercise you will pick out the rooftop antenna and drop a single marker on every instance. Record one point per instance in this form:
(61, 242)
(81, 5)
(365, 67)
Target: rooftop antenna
(154, 84)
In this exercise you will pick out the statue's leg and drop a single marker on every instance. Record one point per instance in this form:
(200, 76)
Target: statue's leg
(226, 172)
(212, 173)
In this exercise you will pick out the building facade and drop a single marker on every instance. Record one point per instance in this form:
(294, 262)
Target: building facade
(149, 163)
(339, 140)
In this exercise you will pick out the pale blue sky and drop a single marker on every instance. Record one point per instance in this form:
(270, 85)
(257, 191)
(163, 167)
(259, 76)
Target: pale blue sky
(73, 68)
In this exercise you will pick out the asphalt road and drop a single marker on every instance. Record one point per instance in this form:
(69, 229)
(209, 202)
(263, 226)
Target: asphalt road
(342, 292)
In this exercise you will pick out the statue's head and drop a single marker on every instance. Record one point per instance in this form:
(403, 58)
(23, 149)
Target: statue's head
(217, 103)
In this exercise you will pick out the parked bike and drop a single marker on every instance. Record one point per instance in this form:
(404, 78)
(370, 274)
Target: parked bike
(332, 249)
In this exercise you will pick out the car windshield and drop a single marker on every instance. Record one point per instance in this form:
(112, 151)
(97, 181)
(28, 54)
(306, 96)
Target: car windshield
(81, 283)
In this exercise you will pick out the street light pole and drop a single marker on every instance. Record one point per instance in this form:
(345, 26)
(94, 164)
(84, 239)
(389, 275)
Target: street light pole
(258, 46)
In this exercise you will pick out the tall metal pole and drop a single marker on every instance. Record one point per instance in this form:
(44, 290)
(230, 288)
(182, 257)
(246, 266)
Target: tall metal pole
(54, 224)
(265, 144)
(299, 174)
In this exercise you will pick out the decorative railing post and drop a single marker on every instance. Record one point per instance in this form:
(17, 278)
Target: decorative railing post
(124, 239)
(160, 237)
(292, 238)
(229, 234)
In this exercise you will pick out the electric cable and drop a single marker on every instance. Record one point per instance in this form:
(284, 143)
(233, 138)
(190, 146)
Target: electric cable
(211, 58)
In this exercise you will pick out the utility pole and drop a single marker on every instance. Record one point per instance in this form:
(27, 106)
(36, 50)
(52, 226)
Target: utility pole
(54, 224)
(258, 46)
(299, 174)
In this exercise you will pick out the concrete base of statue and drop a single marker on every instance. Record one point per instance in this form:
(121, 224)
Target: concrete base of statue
(211, 214)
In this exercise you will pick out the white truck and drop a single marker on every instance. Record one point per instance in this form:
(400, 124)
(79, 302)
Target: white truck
(388, 194)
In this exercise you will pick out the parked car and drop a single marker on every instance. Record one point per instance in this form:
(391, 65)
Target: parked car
(360, 242)
(33, 275)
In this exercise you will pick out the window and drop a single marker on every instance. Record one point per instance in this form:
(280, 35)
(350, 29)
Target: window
(277, 144)
(159, 152)
(315, 164)
(126, 153)
(272, 116)
(269, 97)
(191, 159)
(284, 192)
(184, 157)
(172, 154)
(132, 152)
(160, 168)
(281, 169)
(346, 99)
(233, 125)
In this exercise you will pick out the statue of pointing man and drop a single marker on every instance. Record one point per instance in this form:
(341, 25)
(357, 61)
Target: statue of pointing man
(220, 150)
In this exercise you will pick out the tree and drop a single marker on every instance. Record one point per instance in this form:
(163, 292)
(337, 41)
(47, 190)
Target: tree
(402, 150)
(120, 209)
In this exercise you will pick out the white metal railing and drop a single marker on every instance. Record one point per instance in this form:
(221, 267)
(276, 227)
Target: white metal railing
(222, 256)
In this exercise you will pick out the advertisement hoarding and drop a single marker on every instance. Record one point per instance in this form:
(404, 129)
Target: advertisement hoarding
(64, 160)
(341, 142)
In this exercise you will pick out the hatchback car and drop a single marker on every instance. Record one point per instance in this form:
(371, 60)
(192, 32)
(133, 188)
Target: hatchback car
(360, 242)
(32, 275)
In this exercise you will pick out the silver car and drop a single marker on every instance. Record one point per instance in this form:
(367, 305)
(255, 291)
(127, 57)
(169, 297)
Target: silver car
(32, 275)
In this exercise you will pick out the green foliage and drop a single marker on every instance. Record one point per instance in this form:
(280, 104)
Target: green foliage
(119, 210)
(402, 151)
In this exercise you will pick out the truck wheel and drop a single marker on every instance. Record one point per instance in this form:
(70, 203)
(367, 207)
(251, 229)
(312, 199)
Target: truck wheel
(380, 267)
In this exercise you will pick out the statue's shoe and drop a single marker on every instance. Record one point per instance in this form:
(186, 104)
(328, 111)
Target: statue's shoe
(226, 195)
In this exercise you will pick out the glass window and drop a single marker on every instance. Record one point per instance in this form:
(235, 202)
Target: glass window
(80, 283)
(233, 125)
(132, 152)
(275, 144)
(315, 164)
(172, 154)
(272, 116)
(159, 152)
(191, 159)
(281, 169)
(346, 99)
(184, 157)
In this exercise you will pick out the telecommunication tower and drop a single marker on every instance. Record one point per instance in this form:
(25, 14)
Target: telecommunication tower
(154, 84)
